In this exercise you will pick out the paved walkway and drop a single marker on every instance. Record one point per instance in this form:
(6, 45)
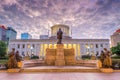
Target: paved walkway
(59, 76)
(60, 67)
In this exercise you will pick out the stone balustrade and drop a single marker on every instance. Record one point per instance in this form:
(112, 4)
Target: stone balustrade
(90, 63)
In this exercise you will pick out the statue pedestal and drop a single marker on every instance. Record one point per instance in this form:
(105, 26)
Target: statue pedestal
(106, 70)
(60, 56)
(60, 61)
(50, 56)
(13, 70)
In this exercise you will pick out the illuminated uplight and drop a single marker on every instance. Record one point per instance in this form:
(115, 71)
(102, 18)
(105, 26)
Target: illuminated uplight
(69, 46)
(50, 46)
(28, 45)
(65, 46)
(88, 47)
(87, 52)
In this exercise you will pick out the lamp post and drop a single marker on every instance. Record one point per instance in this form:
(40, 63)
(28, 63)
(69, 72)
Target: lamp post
(31, 49)
(89, 50)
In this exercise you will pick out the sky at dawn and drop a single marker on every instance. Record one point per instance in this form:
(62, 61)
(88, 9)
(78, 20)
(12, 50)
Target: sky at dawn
(87, 18)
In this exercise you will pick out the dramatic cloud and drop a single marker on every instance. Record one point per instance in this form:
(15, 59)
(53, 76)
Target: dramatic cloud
(86, 18)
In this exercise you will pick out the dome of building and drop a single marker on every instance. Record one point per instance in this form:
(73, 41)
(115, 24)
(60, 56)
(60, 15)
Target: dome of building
(64, 28)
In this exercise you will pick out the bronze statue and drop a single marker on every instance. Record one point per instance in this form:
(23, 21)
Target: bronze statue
(17, 56)
(107, 61)
(12, 63)
(102, 58)
(59, 36)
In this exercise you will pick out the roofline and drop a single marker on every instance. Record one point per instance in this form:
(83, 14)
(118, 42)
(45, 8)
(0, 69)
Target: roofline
(60, 25)
(53, 40)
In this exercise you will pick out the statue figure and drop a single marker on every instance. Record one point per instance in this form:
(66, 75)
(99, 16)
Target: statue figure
(59, 36)
(102, 58)
(17, 56)
(107, 60)
(12, 63)
(19, 59)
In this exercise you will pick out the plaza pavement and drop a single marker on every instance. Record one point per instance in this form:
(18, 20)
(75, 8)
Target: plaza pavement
(59, 76)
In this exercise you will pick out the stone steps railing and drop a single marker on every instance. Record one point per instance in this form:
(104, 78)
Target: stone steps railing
(31, 63)
(89, 63)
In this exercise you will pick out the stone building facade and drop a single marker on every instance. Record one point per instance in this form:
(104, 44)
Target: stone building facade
(115, 38)
(38, 46)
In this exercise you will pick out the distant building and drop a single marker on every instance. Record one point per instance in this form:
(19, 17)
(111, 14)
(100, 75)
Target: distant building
(44, 37)
(115, 38)
(3, 30)
(7, 33)
(11, 34)
(26, 36)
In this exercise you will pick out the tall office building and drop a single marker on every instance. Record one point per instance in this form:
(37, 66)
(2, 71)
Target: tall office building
(3, 30)
(26, 36)
(7, 33)
(11, 34)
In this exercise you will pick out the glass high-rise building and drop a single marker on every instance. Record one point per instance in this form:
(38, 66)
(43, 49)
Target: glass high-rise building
(26, 36)
(11, 34)
(7, 34)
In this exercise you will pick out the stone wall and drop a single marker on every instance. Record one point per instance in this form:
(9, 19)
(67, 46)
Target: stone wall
(69, 56)
(50, 56)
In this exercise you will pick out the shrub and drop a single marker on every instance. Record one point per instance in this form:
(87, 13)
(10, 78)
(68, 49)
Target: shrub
(116, 50)
(3, 49)
(116, 64)
(116, 57)
(34, 57)
(86, 56)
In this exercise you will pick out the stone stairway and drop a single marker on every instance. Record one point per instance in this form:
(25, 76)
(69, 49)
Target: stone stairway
(33, 63)
(87, 63)
(60, 69)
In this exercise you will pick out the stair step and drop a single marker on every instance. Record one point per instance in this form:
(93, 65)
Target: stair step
(33, 63)
(60, 69)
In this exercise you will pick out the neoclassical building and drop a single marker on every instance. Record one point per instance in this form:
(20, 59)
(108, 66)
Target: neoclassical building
(38, 46)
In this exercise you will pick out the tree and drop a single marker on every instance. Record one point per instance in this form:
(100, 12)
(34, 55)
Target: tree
(3, 49)
(116, 50)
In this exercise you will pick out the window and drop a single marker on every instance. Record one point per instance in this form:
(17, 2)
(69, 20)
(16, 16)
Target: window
(23, 45)
(97, 53)
(28, 45)
(18, 45)
(96, 45)
(33, 45)
(23, 54)
(91, 45)
(86, 45)
(101, 45)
